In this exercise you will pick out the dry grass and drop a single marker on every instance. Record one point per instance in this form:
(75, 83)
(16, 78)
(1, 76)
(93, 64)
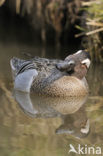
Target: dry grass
(93, 29)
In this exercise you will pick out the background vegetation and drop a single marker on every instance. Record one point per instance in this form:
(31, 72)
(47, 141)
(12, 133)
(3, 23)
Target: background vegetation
(94, 29)
(59, 22)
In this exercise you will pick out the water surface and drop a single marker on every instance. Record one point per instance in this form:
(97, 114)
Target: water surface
(35, 126)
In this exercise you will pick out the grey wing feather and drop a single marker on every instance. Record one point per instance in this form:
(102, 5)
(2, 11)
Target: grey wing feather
(15, 64)
(40, 64)
(18, 66)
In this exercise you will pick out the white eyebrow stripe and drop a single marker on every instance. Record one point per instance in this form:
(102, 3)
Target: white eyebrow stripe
(87, 62)
(78, 52)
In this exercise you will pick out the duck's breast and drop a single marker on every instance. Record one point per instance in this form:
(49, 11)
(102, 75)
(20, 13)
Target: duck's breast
(67, 86)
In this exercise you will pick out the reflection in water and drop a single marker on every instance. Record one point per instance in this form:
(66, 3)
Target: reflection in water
(76, 124)
(70, 109)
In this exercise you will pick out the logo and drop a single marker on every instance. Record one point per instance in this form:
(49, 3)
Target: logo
(85, 149)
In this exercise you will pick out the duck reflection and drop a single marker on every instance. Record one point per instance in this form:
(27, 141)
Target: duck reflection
(70, 109)
(76, 124)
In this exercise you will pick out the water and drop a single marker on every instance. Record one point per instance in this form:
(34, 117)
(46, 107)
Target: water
(35, 126)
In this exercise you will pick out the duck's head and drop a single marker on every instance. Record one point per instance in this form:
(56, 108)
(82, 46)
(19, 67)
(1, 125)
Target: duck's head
(80, 57)
(77, 63)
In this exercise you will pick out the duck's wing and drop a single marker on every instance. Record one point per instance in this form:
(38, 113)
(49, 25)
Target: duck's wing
(44, 66)
(15, 64)
(24, 73)
(19, 66)
(45, 60)
(24, 80)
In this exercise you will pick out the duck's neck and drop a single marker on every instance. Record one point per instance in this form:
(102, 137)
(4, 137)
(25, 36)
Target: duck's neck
(80, 71)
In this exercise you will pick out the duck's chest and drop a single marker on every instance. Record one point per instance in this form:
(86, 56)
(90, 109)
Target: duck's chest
(67, 86)
(64, 86)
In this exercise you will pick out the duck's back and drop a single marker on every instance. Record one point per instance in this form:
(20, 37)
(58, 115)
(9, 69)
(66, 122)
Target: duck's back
(40, 64)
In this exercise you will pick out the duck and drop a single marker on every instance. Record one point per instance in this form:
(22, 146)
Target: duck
(52, 77)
